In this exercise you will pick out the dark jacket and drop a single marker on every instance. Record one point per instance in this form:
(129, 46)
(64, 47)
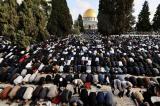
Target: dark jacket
(43, 93)
(20, 93)
(109, 99)
(100, 99)
(133, 80)
(92, 99)
(140, 82)
(66, 96)
(84, 97)
(89, 78)
(37, 92)
(69, 78)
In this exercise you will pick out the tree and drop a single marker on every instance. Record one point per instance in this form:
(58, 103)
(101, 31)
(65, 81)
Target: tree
(156, 20)
(24, 21)
(76, 28)
(123, 15)
(115, 16)
(75, 31)
(8, 18)
(127, 17)
(130, 22)
(33, 20)
(104, 19)
(60, 22)
(47, 7)
(27, 20)
(21, 40)
(80, 23)
(143, 24)
(41, 20)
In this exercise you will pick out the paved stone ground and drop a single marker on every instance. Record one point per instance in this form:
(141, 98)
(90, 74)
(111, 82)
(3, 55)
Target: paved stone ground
(125, 101)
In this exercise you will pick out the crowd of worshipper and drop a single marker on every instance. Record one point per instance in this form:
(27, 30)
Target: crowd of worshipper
(63, 71)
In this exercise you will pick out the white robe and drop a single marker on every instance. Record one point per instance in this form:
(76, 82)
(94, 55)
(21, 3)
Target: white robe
(28, 93)
(18, 80)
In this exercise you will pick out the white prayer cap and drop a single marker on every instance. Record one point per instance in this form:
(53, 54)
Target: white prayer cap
(72, 58)
(88, 71)
(61, 79)
(89, 62)
(90, 52)
(97, 59)
(51, 51)
(54, 59)
(11, 56)
(158, 55)
(124, 54)
(132, 54)
(83, 58)
(62, 59)
(82, 53)
(102, 69)
(1, 59)
(108, 53)
(11, 50)
(74, 53)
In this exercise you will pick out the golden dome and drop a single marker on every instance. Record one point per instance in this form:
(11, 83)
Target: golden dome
(90, 13)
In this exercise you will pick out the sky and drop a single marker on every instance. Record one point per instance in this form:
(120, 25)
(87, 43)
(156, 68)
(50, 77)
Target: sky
(79, 6)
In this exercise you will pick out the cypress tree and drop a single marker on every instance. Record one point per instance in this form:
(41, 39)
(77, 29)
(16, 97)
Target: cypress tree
(3, 20)
(46, 6)
(156, 20)
(80, 23)
(130, 21)
(143, 24)
(115, 16)
(105, 17)
(76, 28)
(41, 20)
(60, 22)
(8, 18)
(27, 20)
(33, 20)
(125, 19)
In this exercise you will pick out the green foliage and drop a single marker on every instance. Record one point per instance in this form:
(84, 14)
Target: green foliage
(21, 40)
(33, 20)
(30, 17)
(156, 20)
(8, 17)
(115, 16)
(76, 31)
(143, 24)
(129, 21)
(76, 24)
(60, 22)
(80, 23)
(46, 6)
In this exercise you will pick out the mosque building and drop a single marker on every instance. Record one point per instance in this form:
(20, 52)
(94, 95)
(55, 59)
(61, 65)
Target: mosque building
(90, 19)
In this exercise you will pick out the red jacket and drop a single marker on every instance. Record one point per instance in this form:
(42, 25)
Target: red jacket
(23, 58)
